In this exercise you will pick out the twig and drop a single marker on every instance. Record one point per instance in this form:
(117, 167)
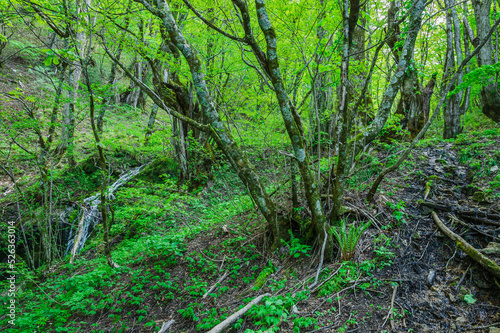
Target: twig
(329, 278)
(390, 313)
(215, 285)
(232, 318)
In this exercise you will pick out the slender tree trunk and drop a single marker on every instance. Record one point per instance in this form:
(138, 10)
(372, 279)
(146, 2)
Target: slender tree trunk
(219, 133)
(151, 123)
(346, 118)
(397, 78)
(102, 162)
(453, 109)
(106, 100)
(489, 93)
(68, 113)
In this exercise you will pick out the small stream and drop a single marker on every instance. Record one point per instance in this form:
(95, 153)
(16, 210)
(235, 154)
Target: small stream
(91, 212)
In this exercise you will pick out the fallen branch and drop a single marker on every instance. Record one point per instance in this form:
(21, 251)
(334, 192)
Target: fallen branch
(477, 216)
(215, 285)
(390, 314)
(232, 318)
(329, 278)
(166, 326)
(433, 205)
(478, 219)
(471, 227)
(481, 259)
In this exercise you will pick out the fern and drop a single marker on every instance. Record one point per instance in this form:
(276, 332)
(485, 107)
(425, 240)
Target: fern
(348, 238)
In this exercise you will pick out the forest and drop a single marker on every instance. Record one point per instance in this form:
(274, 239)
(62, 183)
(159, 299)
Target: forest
(249, 166)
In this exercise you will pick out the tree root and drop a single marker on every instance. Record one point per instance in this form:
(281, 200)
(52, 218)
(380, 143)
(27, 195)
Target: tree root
(480, 258)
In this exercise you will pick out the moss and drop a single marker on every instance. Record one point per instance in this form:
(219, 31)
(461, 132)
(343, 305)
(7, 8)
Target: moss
(479, 196)
(158, 169)
(262, 278)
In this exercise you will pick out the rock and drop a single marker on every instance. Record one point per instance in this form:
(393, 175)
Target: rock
(494, 330)
(461, 321)
(494, 169)
(492, 248)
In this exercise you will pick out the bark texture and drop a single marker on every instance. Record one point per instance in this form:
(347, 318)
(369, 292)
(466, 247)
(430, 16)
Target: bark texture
(490, 94)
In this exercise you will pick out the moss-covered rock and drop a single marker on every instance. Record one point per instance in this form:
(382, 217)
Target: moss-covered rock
(158, 169)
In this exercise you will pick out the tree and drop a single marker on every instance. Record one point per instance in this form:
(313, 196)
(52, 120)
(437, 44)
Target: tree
(489, 93)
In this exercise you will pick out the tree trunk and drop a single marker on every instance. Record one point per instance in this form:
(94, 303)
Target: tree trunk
(151, 123)
(489, 93)
(404, 60)
(453, 110)
(68, 112)
(219, 133)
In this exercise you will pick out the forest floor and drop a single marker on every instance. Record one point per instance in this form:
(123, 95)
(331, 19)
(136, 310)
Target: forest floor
(173, 246)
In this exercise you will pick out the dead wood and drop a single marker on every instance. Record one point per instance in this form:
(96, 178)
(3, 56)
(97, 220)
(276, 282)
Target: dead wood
(166, 326)
(232, 318)
(433, 205)
(481, 259)
(471, 227)
(480, 217)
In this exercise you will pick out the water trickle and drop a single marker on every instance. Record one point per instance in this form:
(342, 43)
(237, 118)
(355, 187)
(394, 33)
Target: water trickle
(91, 212)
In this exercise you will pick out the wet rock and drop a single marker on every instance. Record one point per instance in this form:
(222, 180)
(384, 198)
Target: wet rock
(492, 248)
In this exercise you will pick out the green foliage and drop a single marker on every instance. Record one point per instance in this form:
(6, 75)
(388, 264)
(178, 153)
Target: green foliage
(480, 76)
(398, 211)
(295, 248)
(350, 271)
(348, 238)
(469, 298)
(392, 128)
(382, 247)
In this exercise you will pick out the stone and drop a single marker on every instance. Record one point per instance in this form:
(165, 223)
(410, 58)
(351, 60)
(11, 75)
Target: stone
(494, 330)
(461, 321)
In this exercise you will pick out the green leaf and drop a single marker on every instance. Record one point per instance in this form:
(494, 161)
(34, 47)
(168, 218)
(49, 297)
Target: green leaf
(469, 299)
(48, 61)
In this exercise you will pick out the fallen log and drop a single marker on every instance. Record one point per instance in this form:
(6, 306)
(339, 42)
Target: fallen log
(480, 258)
(232, 318)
